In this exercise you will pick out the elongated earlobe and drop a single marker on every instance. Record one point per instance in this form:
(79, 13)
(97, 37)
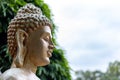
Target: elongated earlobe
(21, 37)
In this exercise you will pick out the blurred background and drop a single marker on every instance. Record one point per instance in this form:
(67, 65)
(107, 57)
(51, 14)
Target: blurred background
(89, 32)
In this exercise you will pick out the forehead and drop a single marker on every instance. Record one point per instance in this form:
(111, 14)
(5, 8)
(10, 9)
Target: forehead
(42, 30)
(47, 29)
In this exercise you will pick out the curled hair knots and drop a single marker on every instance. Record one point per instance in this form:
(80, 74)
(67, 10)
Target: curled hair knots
(28, 18)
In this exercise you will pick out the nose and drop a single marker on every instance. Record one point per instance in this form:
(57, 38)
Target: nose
(51, 46)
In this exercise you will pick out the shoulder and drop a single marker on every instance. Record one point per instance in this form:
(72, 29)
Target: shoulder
(7, 77)
(11, 74)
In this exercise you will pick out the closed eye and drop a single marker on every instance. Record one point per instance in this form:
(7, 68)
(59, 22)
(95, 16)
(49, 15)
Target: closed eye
(46, 38)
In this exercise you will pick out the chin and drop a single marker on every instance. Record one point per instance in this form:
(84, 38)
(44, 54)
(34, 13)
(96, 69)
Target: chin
(45, 62)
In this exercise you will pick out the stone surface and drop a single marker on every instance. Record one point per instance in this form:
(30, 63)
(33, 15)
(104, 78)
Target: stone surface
(29, 43)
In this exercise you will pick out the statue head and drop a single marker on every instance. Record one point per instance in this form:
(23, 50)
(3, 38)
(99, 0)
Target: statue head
(29, 33)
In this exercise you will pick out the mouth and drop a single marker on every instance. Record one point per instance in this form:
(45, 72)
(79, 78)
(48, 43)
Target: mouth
(49, 53)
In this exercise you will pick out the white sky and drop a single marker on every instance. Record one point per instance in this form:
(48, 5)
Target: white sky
(89, 31)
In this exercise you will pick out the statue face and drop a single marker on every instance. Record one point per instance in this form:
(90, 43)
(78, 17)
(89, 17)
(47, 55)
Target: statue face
(40, 46)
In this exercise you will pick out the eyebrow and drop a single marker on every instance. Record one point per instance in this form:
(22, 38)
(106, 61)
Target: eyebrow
(48, 34)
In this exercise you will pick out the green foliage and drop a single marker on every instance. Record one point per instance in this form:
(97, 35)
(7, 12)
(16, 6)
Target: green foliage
(112, 73)
(58, 69)
(88, 75)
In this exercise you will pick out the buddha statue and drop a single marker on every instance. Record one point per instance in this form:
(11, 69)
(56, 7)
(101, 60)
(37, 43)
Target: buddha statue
(29, 43)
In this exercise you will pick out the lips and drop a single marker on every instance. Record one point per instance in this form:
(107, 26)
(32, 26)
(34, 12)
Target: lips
(49, 53)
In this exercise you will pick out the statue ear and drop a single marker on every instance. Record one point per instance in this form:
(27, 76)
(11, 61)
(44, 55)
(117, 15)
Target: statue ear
(21, 38)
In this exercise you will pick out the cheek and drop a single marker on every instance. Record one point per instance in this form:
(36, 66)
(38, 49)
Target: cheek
(44, 44)
(37, 47)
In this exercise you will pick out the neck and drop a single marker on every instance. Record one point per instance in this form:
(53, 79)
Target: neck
(27, 65)
(30, 67)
